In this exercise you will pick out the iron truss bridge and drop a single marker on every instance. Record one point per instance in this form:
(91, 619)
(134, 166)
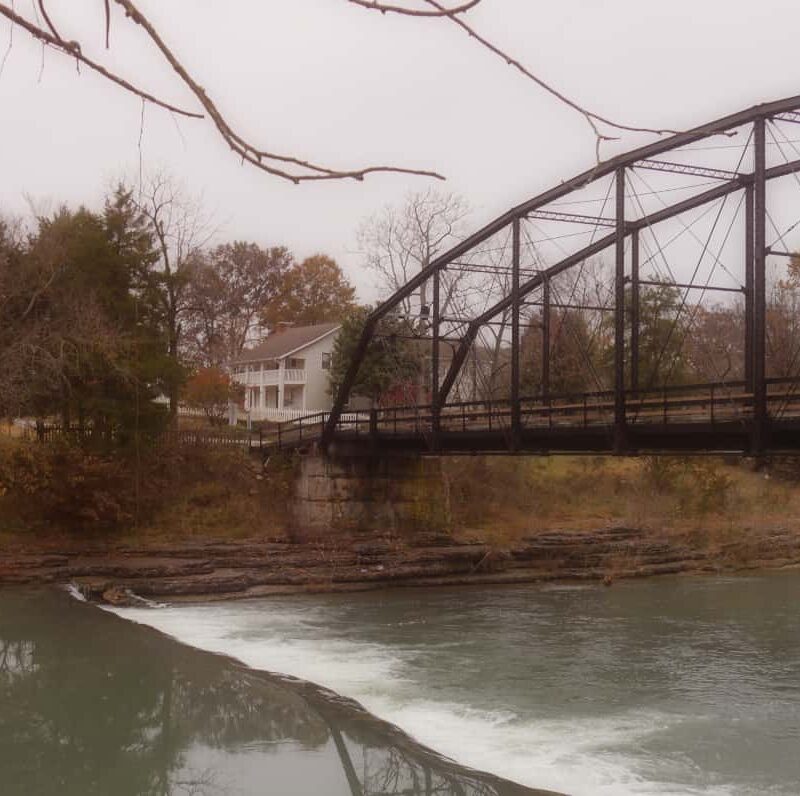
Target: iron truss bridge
(567, 283)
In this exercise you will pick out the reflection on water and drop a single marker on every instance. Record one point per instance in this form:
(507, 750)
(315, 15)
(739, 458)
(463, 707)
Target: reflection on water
(91, 704)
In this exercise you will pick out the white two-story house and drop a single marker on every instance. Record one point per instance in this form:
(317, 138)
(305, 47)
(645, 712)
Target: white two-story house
(286, 376)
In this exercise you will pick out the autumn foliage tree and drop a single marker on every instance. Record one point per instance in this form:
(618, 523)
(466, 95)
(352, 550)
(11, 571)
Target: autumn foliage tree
(230, 286)
(313, 291)
(211, 390)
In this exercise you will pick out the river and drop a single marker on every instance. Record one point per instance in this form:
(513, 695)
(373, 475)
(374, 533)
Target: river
(663, 686)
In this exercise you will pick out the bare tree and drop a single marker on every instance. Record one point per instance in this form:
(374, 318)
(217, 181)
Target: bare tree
(181, 230)
(398, 242)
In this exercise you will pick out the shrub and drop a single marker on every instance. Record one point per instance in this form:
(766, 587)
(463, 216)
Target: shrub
(663, 473)
(70, 487)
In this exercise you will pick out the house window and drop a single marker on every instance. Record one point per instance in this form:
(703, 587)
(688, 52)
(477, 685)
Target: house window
(326, 361)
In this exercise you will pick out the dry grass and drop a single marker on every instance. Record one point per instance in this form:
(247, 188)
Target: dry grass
(504, 499)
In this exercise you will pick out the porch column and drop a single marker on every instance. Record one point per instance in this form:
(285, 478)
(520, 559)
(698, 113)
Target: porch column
(281, 378)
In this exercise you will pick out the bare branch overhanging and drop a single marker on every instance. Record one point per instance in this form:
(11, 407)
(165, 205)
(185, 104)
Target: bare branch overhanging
(592, 118)
(237, 143)
(73, 48)
(287, 167)
(271, 162)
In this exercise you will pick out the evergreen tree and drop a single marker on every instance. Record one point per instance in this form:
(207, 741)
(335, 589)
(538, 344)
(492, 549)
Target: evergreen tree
(389, 361)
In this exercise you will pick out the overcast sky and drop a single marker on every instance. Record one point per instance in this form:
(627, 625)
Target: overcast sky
(329, 81)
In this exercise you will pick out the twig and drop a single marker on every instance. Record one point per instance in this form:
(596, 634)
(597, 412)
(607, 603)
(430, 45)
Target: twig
(373, 5)
(48, 21)
(8, 49)
(107, 8)
(73, 48)
(592, 118)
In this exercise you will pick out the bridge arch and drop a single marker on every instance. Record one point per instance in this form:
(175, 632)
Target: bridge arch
(749, 165)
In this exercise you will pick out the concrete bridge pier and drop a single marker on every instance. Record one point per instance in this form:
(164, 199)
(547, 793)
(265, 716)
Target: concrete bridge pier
(360, 492)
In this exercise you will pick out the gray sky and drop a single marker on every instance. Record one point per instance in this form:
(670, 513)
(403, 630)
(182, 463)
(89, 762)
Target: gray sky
(327, 80)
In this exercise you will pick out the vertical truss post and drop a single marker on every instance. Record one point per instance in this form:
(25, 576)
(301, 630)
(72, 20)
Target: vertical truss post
(516, 415)
(546, 338)
(635, 312)
(759, 287)
(619, 318)
(435, 402)
(749, 252)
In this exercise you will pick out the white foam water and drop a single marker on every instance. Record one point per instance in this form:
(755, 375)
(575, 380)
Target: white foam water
(74, 592)
(568, 756)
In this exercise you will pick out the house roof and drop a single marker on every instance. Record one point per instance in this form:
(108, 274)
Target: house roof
(287, 341)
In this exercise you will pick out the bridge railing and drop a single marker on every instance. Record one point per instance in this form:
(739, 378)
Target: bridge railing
(693, 403)
(308, 429)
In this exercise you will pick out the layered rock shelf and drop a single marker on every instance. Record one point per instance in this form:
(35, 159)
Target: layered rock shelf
(240, 569)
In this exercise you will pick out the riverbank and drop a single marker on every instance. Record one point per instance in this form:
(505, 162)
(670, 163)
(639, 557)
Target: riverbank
(204, 570)
(195, 523)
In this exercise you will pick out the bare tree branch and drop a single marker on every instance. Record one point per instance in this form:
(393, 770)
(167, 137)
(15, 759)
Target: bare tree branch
(49, 21)
(8, 49)
(73, 48)
(264, 160)
(107, 9)
(287, 167)
(239, 145)
(591, 117)
(373, 5)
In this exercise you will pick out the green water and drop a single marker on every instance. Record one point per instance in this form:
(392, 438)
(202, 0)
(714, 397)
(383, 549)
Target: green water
(92, 704)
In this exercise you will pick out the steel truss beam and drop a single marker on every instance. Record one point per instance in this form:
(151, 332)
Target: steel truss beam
(651, 151)
(684, 286)
(574, 218)
(558, 306)
(685, 168)
(787, 116)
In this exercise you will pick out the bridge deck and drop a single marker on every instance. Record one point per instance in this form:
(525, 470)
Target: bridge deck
(708, 418)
